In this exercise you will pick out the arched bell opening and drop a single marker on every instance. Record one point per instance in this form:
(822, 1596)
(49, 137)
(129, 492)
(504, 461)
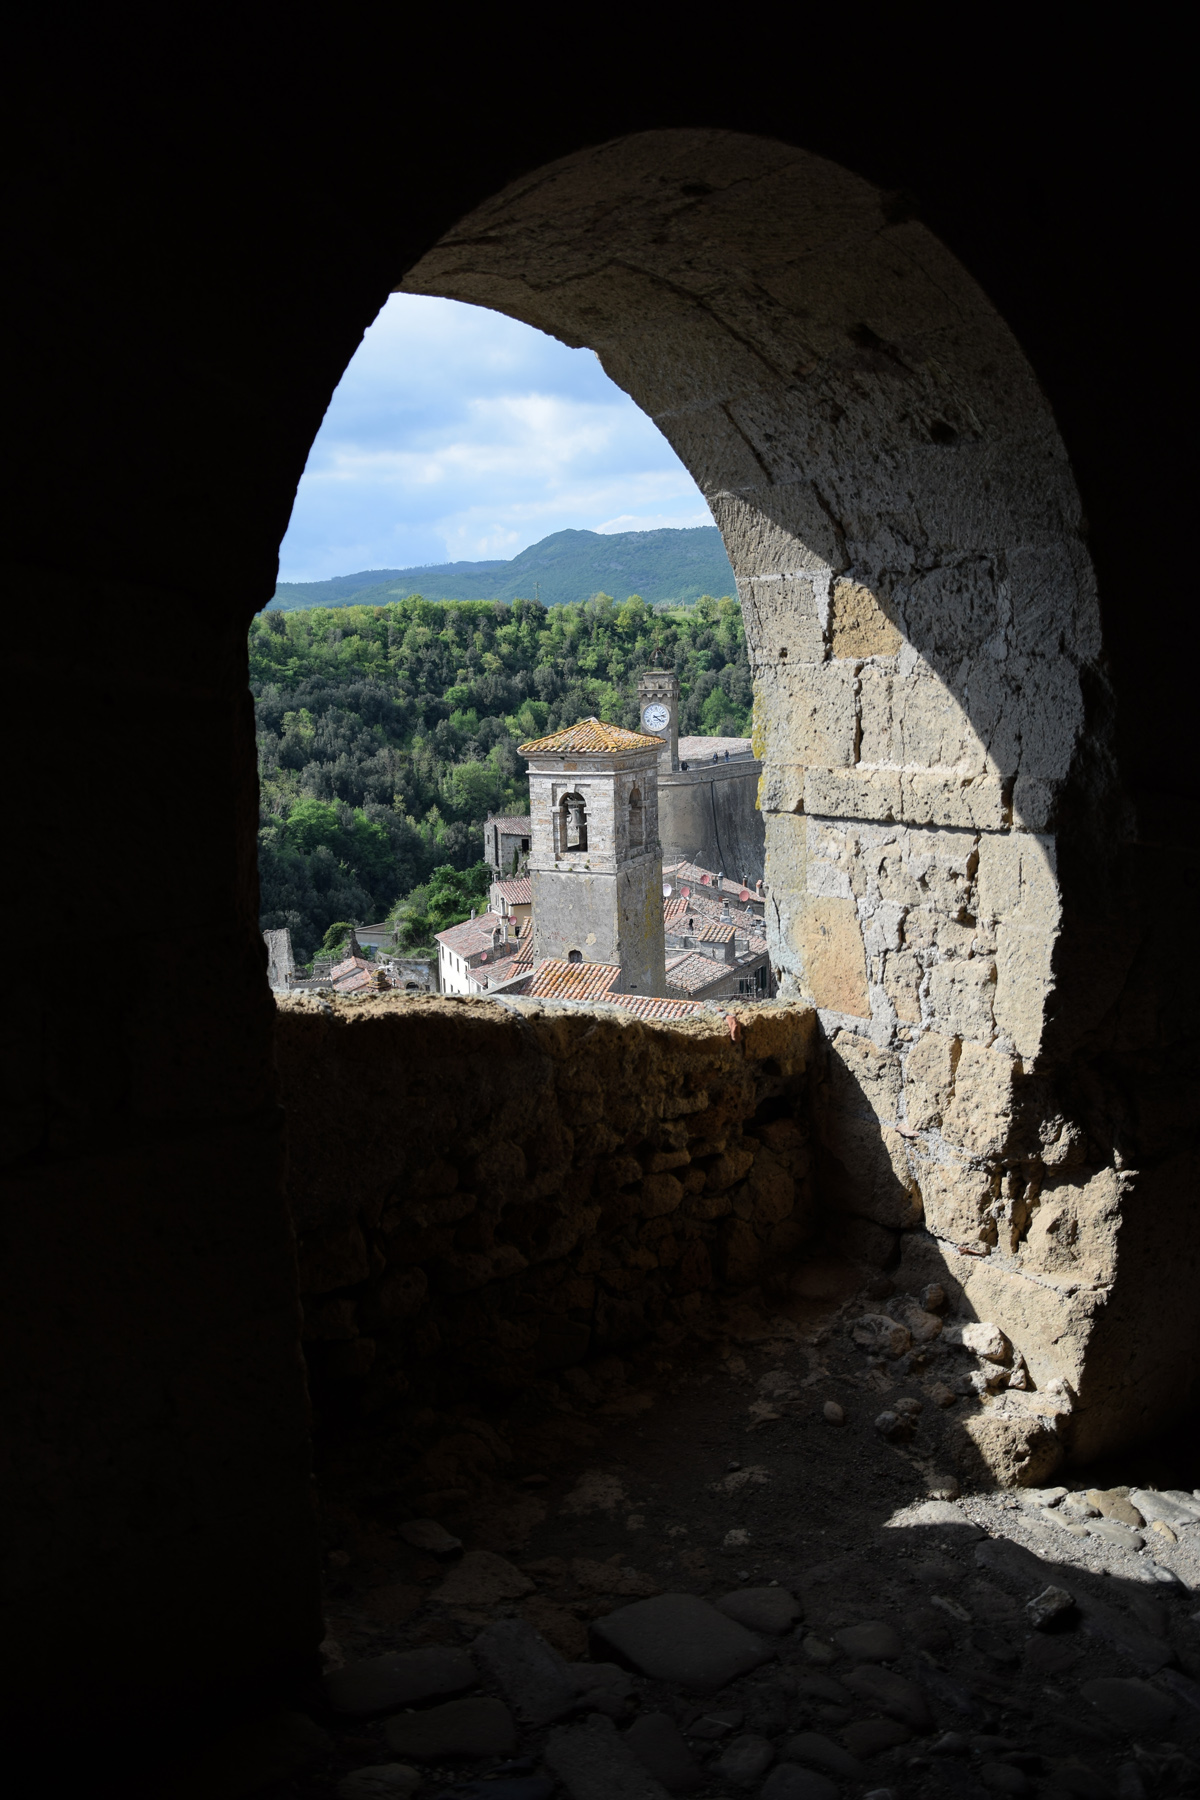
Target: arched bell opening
(637, 821)
(572, 824)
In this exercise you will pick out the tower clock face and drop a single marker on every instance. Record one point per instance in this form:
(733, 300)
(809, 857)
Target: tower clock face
(656, 716)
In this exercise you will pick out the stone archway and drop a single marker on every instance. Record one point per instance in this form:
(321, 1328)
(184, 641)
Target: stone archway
(944, 816)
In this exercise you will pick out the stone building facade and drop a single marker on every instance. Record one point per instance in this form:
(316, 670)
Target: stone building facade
(595, 860)
(506, 843)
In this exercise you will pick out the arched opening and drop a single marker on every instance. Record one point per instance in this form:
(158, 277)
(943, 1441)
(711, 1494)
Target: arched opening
(572, 824)
(637, 823)
(883, 463)
(907, 540)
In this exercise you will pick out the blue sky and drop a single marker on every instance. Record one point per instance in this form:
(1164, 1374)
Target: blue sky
(456, 433)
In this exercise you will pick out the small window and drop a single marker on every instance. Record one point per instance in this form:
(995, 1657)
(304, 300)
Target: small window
(574, 955)
(637, 829)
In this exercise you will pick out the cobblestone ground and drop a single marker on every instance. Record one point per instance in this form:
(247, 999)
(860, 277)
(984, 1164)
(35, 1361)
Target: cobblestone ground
(743, 1568)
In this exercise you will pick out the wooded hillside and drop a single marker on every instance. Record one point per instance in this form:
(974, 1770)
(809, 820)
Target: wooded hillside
(670, 565)
(387, 734)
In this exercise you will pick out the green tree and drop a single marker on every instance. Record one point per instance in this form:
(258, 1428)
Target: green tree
(447, 898)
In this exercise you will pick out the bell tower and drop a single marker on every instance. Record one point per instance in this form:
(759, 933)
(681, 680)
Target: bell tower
(658, 703)
(595, 862)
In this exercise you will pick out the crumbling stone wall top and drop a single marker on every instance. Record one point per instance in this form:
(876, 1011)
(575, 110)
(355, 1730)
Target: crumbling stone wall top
(485, 1194)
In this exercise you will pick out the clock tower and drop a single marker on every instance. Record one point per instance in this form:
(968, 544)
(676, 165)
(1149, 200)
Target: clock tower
(658, 702)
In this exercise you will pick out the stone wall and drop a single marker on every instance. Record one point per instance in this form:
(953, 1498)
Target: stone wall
(484, 1194)
(709, 815)
(158, 1504)
(951, 861)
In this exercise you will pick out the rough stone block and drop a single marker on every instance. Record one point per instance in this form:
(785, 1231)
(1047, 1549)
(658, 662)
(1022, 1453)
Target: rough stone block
(979, 1117)
(1016, 881)
(745, 1760)
(807, 713)
(1074, 1226)
(781, 788)
(828, 938)
(873, 1642)
(880, 1184)
(816, 1751)
(902, 978)
(998, 875)
(866, 1079)
(862, 624)
(1015, 1451)
(533, 1678)
(1024, 981)
(894, 1694)
(678, 1638)
(929, 1079)
(961, 997)
(483, 1579)
(594, 1762)
(952, 800)
(729, 1168)
(660, 1194)
(769, 1610)
(785, 613)
(914, 721)
(869, 794)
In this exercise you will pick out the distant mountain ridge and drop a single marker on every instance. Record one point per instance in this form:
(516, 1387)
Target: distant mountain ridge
(564, 567)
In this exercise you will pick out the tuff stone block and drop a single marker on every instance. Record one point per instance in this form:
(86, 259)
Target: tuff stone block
(862, 624)
(828, 938)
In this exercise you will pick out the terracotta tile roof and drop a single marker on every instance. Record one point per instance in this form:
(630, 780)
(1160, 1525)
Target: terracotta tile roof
(519, 819)
(589, 734)
(518, 891)
(704, 903)
(490, 975)
(693, 972)
(358, 982)
(709, 880)
(678, 912)
(473, 937)
(557, 980)
(647, 1006)
(348, 967)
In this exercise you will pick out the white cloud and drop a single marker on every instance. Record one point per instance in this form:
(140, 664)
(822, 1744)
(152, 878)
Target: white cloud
(458, 434)
(675, 521)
